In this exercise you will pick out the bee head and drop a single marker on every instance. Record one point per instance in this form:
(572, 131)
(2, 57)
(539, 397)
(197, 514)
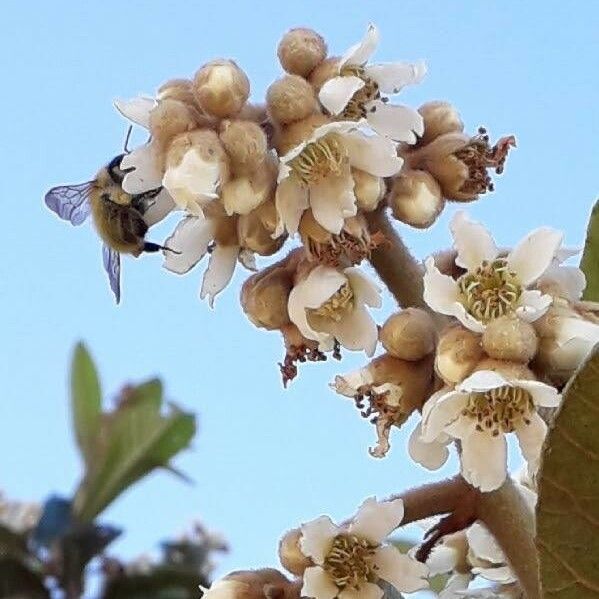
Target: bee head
(115, 171)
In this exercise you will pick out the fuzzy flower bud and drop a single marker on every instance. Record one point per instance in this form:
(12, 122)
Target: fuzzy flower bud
(177, 89)
(409, 334)
(510, 338)
(264, 296)
(290, 554)
(290, 99)
(368, 189)
(246, 145)
(458, 352)
(266, 583)
(301, 50)
(255, 232)
(325, 71)
(221, 88)
(196, 167)
(294, 134)
(169, 118)
(507, 369)
(439, 118)
(415, 198)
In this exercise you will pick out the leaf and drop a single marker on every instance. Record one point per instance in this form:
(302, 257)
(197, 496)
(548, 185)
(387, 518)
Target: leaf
(17, 581)
(86, 401)
(590, 257)
(137, 440)
(568, 505)
(161, 583)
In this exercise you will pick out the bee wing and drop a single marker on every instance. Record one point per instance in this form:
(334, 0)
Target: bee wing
(112, 265)
(70, 202)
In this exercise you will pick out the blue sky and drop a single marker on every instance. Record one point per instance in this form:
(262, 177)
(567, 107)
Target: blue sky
(264, 459)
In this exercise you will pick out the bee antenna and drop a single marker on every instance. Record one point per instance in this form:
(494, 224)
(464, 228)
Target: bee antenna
(127, 139)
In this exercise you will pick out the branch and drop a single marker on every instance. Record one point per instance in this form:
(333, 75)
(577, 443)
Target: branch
(398, 269)
(507, 516)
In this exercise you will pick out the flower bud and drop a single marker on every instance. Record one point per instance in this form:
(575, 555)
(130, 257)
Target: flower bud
(439, 118)
(266, 583)
(169, 118)
(510, 338)
(509, 370)
(253, 112)
(221, 88)
(256, 236)
(290, 99)
(291, 555)
(264, 297)
(415, 198)
(368, 189)
(196, 166)
(458, 352)
(295, 133)
(409, 334)
(301, 50)
(177, 89)
(246, 145)
(325, 71)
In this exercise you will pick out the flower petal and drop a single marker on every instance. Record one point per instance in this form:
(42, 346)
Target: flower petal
(430, 455)
(377, 519)
(400, 123)
(365, 289)
(483, 544)
(361, 52)
(338, 91)
(137, 110)
(146, 174)
(160, 208)
(440, 410)
(472, 241)
(332, 201)
(348, 384)
(443, 558)
(372, 153)
(318, 584)
(221, 267)
(367, 590)
(456, 583)
(291, 199)
(484, 460)
(502, 574)
(569, 279)
(542, 394)
(191, 238)
(533, 255)
(404, 573)
(440, 291)
(482, 380)
(392, 77)
(317, 538)
(530, 438)
(533, 304)
(357, 331)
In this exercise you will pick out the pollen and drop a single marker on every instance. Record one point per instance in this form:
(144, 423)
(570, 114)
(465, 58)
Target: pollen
(500, 410)
(320, 159)
(341, 302)
(349, 563)
(478, 156)
(356, 107)
(491, 291)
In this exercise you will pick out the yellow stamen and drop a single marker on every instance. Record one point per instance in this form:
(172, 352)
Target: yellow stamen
(320, 159)
(349, 563)
(341, 302)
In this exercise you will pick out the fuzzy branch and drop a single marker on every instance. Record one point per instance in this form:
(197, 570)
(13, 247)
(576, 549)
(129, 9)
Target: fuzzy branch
(394, 263)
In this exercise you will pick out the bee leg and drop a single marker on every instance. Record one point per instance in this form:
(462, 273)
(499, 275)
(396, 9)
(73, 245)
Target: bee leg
(154, 247)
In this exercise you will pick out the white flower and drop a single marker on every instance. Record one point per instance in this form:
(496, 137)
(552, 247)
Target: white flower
(193, 238)
(331, 304)
(317, 174)
(493, 285)
(356, 92)
(350, 560)
(19, 516)
(480, 412)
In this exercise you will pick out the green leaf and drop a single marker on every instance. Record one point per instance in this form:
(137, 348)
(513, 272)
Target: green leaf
(568, 506)
(590, 257)
(137, 438)
(86, 401)
(161, 583)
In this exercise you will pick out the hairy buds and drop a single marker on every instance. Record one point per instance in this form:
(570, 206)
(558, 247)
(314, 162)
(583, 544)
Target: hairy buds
(301, 50)
(409, 334)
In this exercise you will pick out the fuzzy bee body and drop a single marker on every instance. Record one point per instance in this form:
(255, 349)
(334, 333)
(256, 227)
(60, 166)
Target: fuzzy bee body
(117, 215)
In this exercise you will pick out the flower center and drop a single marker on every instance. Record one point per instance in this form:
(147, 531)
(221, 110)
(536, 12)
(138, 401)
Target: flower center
(478, 156)
(500, 410)
(349, 562)
(320, 159)
(341, 302)
(356, 107)
(343, 248)
(491, 291)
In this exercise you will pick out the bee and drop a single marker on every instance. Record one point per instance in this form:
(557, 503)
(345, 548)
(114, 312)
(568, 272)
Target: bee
(118, 216)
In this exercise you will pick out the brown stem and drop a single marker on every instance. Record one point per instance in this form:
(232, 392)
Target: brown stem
(510, 520)
(398, 269)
